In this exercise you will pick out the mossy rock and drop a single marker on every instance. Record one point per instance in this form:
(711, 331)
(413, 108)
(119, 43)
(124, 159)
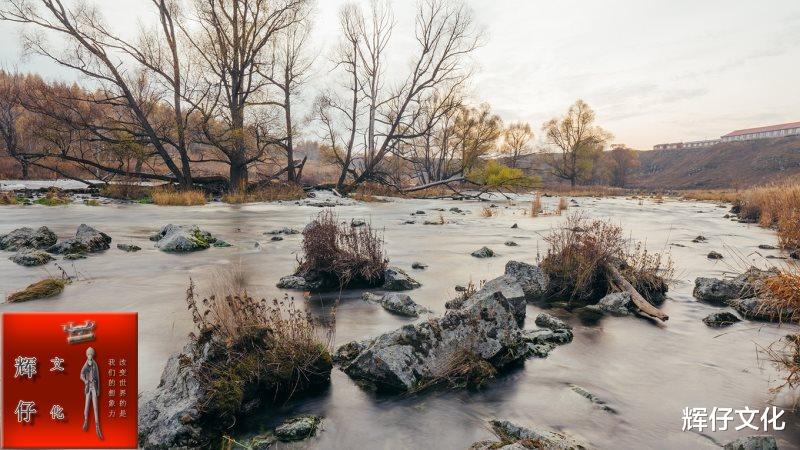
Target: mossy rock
(48, 287)
(297, 428)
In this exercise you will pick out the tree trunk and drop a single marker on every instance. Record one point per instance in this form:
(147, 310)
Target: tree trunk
(291, 174)
(24, 165)
(238, 176)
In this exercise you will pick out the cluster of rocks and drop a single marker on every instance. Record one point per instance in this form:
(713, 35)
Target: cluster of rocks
(36, 247)
(392, 279)
(743, 294)
(181, 239)
(487, 326)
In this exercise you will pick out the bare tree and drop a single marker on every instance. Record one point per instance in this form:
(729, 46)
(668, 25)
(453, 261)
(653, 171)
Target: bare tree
(232, 45)
(517, 141)
(11, 112)
(477, 131)
(388, 118)
(573, 140)
(123, 71)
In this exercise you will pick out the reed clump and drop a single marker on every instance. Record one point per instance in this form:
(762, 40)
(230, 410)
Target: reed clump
(169, 196)
(48, 287)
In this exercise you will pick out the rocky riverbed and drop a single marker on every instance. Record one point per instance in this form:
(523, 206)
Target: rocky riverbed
(644, 373)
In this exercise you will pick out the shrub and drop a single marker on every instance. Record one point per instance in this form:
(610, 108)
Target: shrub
(496, 175)
(341, 255)
(781, 292)
(261, 346)
(487, 212)
(582, 250)
(125, 191)
(168, 196)
(785, 356)
(562, 205)
(48, 287)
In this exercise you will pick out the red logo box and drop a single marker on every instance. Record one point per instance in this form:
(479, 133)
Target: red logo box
(44, 398)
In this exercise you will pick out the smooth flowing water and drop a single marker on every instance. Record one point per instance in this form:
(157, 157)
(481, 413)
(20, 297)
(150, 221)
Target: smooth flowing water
(646, 372)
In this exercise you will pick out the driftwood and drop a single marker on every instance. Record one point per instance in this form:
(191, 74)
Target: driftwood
(640, 302)
(432, 184)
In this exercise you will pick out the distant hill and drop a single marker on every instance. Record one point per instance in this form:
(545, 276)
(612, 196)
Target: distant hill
(725, 165)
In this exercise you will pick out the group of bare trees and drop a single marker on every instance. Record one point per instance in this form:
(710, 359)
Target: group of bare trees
(215, 85)
(213, 82)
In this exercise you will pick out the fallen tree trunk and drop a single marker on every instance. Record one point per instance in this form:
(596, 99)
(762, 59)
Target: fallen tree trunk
(435, 183)
(640, 302)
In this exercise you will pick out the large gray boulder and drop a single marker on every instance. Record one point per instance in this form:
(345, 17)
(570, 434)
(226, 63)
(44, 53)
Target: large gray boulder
(715, 290)
(293, 282)
(616, 304)
(395, 279)
(297, 428)
(30, 258)
(761, 442)
(483, 252)
(180, 239)
(485, 328)
(515, 437)
(171, 416)
(397, 303)
(720, 291)
(27, 238)
(86, 240)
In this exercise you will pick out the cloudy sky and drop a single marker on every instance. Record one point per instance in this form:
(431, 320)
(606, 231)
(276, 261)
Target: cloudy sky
(655, 71)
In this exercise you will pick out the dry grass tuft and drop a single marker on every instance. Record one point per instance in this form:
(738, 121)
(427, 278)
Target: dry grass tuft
(488, 212)
(580, 253)
(270, 193)
(126, 191)
(536, 205)
(562, 205)
(48, 287)
(168, 196)
(8, 198)
(342, 255)
(782, 293)
(785, 355)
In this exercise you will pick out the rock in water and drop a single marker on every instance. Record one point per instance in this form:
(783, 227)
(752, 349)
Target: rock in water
(357, 223)
(511, 244)
(30, 258)
(419, 266)
(483, 329)
(762, 442)
(395, 279)
(179, 239)
(714, 290)
(129, 247)
(720, 291)
(616, 304)
(545, 320)
(757, 308)
(297, 428)
(397, 303)
(293, 282)
(86, 240)
(483, 252)
(714, 255)
(720, 319)
(767, 247)
(515, 437)
(27, 238)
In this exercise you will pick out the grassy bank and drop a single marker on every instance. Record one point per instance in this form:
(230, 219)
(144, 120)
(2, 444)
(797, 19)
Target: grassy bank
(772, 206)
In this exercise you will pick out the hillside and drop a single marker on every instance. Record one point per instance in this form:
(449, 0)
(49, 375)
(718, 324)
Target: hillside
(725, 165)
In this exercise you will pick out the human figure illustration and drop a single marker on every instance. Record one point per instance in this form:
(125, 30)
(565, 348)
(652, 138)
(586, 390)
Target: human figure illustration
(90, 376)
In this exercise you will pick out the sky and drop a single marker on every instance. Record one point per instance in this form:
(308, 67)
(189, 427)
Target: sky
(654, 71)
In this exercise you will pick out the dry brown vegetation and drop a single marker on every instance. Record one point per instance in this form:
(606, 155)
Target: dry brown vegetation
(168, 196)
(342, 255)
(8, 198)
(781, 292)
(488, 212)
(54, 197)
(536, 205)
(562, 205)
(785, 355)
(774, 206)
(580, 253)
(585, 191)
(270, 193)
(125, 191)
(267, 345)
(48, 287)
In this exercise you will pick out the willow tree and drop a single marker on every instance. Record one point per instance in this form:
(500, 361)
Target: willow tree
(517, 139)
(573, 141)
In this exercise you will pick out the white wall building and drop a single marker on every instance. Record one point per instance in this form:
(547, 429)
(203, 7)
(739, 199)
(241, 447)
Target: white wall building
(772, 131)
